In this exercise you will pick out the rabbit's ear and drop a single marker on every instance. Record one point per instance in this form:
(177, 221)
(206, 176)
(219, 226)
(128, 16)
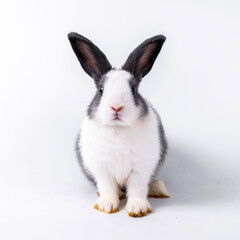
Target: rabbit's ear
(92, 59)
(141, 60)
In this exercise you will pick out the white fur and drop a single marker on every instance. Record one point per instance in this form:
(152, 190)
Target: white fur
(117, 93)
(120, 152)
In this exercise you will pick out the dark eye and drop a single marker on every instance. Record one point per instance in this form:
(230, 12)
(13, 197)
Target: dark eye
(101, 90)
(133, 90)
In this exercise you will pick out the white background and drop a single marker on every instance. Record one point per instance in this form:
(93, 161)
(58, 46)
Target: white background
(194, 84)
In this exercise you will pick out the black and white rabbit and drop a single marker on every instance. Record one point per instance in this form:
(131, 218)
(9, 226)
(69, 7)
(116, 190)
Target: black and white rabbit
(122, 142)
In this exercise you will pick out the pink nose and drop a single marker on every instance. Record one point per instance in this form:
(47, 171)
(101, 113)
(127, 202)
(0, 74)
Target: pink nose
(117, 109)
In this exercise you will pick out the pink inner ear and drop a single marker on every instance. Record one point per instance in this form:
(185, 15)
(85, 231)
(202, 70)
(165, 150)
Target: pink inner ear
(88, 56)
(144, 60)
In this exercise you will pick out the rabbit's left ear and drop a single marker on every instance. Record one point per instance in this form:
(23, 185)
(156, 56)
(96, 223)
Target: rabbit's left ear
(91, 58)
(141, 60)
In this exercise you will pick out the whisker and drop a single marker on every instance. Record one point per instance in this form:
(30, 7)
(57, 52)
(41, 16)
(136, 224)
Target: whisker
(65, 104)
(127, 101)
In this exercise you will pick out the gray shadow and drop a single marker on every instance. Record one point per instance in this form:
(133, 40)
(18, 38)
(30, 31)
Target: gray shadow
(190, 181)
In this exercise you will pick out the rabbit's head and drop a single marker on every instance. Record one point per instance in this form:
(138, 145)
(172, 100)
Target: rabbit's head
(117, 100)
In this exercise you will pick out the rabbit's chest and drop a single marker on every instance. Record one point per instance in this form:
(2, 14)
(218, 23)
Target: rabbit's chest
(120, 156)
(119, 150)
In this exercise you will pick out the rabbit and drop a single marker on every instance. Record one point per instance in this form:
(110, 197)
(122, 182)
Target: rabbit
(121, 144)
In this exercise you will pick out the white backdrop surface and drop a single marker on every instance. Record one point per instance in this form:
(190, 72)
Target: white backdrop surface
(194, 84)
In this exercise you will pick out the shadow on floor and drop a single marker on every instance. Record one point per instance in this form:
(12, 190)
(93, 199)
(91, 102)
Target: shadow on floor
(191, 181)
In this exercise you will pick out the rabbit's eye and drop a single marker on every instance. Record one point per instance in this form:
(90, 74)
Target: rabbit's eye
(133, 90)
(101, 90)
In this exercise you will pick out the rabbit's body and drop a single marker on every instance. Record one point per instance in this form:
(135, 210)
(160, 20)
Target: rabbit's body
(122, 141)
(121, 150)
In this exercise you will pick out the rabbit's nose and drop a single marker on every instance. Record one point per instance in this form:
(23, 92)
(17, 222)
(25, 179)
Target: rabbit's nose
(117, 109)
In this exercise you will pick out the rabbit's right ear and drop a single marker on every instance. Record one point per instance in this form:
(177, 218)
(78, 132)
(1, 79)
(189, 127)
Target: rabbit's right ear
(91, 58)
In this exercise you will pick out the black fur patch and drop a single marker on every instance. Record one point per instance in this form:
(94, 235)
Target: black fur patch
(93, 106)
(138, 99)
(163, 142)
(80, 160)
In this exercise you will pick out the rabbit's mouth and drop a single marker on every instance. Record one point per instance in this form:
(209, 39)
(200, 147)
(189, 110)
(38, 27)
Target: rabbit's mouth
(118, 120)
(116, 116)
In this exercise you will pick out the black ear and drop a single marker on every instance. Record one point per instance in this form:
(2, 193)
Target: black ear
(141, 60)
(92, 59)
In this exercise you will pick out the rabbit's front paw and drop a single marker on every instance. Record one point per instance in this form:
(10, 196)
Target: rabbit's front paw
(138, 207)
(121, 194)
(107, 204)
